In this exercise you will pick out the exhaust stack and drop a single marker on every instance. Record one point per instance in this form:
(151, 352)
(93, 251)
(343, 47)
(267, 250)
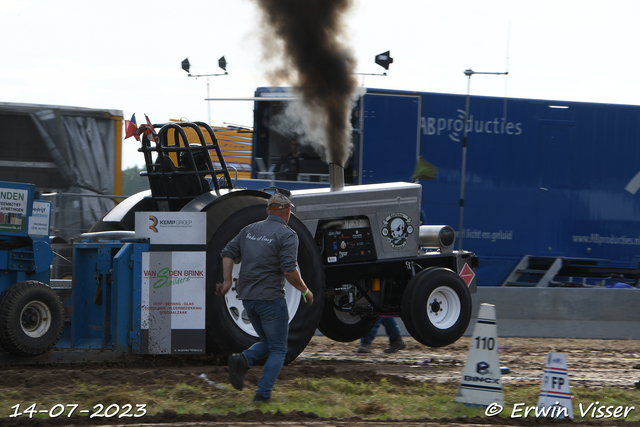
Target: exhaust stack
(336, 177)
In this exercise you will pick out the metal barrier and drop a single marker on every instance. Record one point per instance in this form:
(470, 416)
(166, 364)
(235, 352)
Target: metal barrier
(597, 313)
(71, 215)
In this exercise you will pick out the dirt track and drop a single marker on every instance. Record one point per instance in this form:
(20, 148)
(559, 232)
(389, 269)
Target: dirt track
(591, 363)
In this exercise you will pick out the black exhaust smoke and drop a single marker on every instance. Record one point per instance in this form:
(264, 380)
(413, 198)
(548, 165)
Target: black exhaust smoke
(309, 32)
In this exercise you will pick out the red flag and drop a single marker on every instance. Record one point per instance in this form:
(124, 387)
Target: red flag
(153, 136)
(130, 127)
(148, 130)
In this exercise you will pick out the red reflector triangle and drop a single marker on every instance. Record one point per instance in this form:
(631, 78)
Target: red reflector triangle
(467, 274)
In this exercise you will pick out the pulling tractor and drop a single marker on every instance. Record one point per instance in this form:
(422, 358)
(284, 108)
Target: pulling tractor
(362, 251)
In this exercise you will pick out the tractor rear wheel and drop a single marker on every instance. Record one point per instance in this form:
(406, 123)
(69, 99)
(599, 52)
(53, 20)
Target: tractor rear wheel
(228, 327)
(31, 318)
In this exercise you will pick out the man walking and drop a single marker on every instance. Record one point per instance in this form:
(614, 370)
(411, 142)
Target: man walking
(268, 250)
(393, 331)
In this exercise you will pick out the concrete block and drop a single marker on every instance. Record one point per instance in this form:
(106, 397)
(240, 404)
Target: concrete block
(598, 313)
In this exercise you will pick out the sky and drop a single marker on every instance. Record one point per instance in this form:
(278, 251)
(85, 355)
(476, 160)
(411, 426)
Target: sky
(126, 55)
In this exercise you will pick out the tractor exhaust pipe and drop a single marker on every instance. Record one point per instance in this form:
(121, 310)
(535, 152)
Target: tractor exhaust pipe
(336, 177)
(438, 236)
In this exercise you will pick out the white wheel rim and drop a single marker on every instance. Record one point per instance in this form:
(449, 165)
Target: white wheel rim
(443, 307)
(35, 319)
(236, 309)
(346, 317)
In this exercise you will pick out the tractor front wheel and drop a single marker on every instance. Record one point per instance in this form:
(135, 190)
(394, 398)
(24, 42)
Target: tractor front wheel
(436, 307)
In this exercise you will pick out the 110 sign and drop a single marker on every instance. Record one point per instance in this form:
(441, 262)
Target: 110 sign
(485, 343)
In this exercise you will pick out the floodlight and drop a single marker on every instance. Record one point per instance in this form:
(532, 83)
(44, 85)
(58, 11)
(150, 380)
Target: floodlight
(186, 65)
(384, 59)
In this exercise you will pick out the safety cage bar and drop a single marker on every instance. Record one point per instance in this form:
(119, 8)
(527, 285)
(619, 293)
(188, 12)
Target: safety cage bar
(194, 174)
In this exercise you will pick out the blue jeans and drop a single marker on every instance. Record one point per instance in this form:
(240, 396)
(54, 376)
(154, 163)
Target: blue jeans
(390, 325)
(270, 319)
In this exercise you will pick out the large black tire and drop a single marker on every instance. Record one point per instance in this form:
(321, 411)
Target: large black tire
(436, 307)
(31, 318)
(228, 331)
(340, 325)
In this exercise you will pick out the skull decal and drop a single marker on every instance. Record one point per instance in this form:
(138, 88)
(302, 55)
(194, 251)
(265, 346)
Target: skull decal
(397, 228)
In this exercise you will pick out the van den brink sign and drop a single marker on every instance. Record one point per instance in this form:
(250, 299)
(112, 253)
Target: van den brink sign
(173, 284)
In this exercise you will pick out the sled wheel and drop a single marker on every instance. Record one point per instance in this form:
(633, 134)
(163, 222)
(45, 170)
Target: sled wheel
(341, 325)
(31, 318)
(228, 327)
(436, 307)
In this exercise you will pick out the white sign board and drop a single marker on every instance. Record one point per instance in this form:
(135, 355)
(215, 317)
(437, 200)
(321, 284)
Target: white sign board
(174, 281)
(175, 228)
(40, 218)
(173, 302)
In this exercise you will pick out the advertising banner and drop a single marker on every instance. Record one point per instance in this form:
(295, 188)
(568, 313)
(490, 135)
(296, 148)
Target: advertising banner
(173, 302)
(40, 218)
(13, 209)
(172, 228)
(173, 288)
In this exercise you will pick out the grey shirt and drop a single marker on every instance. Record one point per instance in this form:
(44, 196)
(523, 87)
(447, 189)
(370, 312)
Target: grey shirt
(268, 249)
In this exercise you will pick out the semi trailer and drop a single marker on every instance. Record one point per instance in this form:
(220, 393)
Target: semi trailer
(550, 187)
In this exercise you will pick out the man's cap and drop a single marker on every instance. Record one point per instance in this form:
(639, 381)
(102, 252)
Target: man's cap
(279, 201)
